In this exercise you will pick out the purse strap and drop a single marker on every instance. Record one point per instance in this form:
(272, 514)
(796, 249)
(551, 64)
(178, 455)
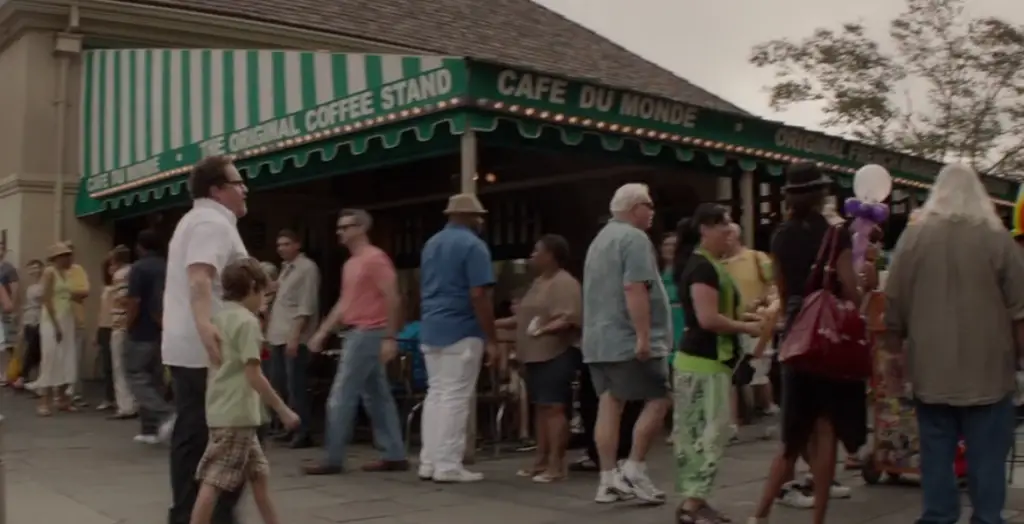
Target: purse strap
(829, 274)
(822, 265)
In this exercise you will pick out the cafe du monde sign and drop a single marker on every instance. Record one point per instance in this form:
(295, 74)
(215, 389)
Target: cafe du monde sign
(591, 98)
(404, 94)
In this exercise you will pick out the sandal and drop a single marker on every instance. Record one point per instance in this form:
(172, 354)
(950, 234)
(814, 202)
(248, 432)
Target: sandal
(704, 515)
(531, 471)
(547, 478)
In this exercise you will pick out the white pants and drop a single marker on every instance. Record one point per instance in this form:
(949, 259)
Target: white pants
(122, 392)
(452, 372)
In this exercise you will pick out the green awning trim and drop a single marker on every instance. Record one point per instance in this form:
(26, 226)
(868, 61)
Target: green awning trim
(384, 138)
(370, 150)
(571, 136)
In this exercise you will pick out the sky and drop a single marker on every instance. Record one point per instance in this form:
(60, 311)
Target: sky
(708, 42)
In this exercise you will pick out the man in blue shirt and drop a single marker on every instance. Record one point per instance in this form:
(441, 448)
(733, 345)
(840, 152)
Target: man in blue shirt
(456, 330)
(144, 308)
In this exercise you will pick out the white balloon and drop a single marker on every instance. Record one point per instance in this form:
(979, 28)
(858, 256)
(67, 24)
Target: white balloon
(872, 183)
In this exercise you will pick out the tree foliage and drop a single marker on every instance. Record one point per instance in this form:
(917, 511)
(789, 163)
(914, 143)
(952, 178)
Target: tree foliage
(946, 87)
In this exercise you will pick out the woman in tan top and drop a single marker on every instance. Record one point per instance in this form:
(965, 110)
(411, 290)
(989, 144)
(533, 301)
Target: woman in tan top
(547, 324)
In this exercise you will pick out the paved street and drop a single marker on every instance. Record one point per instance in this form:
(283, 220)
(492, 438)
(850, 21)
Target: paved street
(84, 469)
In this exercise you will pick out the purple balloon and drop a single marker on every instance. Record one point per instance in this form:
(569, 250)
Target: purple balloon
(852, 207)
(879, 212)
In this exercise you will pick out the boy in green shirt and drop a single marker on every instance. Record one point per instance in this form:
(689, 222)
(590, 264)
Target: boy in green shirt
(235, 395)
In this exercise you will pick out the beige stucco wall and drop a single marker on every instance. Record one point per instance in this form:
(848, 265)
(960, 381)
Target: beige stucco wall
(29, 95)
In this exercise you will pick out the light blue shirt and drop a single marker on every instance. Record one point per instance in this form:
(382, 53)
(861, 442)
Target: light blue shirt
(453, 261)
(621, 254)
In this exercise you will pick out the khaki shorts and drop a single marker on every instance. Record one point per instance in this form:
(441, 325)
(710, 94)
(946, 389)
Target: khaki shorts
(233, 456)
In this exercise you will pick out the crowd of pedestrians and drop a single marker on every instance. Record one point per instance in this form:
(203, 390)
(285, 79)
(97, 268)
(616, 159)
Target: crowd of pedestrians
(199, 344)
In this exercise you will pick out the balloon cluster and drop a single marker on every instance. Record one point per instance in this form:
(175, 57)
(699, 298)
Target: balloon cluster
(876, 213)
(872, 184)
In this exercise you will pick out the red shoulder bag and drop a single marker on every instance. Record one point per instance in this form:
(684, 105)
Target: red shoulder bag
(829, 336)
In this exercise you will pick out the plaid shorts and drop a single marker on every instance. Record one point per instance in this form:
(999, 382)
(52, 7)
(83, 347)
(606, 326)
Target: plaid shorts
(233, 455)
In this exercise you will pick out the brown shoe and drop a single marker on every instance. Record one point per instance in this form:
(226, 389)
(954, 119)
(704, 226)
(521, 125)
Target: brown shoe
(386, 465)
(319, 468)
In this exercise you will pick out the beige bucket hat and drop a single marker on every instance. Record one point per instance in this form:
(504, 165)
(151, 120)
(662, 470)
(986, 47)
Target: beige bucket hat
(464, 204)
(58, 249)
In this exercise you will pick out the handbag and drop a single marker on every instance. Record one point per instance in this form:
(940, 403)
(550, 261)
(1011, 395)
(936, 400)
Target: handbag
(828, 337)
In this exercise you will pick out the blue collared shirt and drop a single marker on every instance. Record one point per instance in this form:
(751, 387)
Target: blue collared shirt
(453, 261)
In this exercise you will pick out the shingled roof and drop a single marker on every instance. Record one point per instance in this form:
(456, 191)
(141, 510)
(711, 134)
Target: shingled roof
(512, 32)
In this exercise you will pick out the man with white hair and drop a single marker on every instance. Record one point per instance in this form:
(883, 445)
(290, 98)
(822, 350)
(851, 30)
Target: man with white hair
(955, 302)
(627, 336)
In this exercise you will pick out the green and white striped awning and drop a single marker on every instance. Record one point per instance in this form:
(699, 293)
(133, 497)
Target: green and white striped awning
(149, 114)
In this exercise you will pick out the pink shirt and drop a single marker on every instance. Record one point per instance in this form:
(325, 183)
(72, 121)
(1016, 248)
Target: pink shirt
(364, 304)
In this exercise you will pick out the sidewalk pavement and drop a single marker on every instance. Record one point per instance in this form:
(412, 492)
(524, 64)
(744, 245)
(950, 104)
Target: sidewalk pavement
(84, 469)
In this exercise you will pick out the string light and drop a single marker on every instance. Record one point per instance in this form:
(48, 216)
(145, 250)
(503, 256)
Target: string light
(527, 111)
(313, 136)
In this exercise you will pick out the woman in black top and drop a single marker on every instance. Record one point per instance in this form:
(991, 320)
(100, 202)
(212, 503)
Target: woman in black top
(816, 412)
(707, 355)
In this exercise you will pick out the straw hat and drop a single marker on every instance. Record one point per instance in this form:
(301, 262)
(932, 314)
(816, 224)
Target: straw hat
(58, 249)
(464, 204)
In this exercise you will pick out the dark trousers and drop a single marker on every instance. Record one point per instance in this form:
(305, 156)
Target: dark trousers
(188, 443)
(106, 362)
(290, 377)
(144, 371)
(33, 351)
(588, 415)
(988, 435)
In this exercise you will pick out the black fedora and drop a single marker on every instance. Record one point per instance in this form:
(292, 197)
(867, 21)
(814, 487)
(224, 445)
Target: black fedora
(805, 177)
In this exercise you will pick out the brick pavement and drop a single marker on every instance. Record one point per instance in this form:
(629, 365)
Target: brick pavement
(85, 469)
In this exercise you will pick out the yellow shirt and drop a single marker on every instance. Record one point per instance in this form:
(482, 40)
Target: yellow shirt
(78, 282)
(752, 272)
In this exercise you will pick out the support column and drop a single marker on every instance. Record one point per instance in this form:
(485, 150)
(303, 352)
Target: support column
(467, 184)
(467, 162)
(67, 47)
(747, 202)
(723, 190)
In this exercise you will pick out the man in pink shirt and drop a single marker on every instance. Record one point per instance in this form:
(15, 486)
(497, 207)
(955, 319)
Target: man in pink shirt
(370, 305)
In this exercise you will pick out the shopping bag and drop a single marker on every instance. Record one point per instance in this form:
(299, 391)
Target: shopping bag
(828, 337)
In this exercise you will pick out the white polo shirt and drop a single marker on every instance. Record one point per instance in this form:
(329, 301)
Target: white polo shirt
(207, 234)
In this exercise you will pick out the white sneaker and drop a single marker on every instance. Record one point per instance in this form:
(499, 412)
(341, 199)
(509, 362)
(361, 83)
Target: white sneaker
(166, 429)
(615, 492)
(426, 472)
(837, 491)
(642, 486)
(772, 410)
(460, 475)
(147, 439)
(795, 495)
